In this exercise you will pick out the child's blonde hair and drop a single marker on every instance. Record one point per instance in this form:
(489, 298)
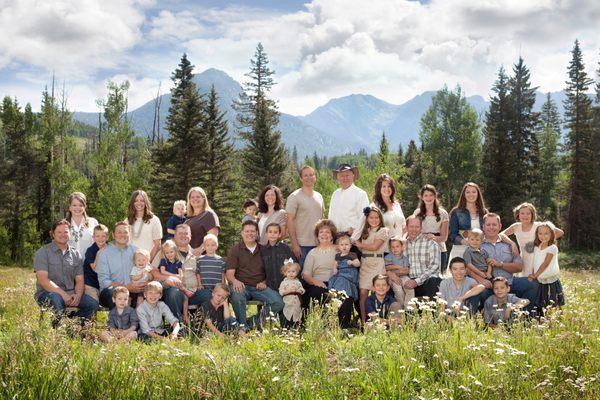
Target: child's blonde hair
(179, 203)
(118, 290)
(101, 228)
(153, 286)
(476, 233)
(142, 252)
(211, 236)
(223, 287)
(169, 244)
(289, 263)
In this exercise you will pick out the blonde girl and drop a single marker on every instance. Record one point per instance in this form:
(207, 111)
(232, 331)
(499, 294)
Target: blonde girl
(545, 267)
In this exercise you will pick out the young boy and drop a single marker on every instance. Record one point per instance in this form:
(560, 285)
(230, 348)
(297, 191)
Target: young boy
(273, 255)
(395, 261)
(122, 319)
(250, 209)
(177, 218)
(210, 266)
(499, 306)
(381, 300)
(476, 257)
(459, 289)
(152, 313)
(217, 316)
(90, 277)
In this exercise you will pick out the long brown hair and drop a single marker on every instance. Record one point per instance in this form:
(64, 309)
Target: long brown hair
(80, 197)
(262, 203)
(479, 203)
(147, 207)
(377, 199)
(436, 203)
(550, 226)
(366, 228)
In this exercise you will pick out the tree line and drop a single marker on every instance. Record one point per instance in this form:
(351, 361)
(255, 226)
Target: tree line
(517, 154)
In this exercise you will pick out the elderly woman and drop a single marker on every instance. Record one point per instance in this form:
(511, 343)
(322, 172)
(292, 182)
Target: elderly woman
(82, 225)
(145, 228)
(271, 210)
(201, 219)
(320, 261)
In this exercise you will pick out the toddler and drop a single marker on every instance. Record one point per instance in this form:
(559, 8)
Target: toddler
(90, 277)
(152, 314)
(291, 289)
(177, 218)
(476, 257)
(395, 261)
(122, 319)
(250, 209)
(141, 269)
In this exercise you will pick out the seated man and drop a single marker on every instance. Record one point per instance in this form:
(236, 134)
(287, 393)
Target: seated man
(59, 274)
(424, 259)
(246, 274)
(504, 262)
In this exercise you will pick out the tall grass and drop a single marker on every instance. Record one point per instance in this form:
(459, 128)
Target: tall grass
(425, 357)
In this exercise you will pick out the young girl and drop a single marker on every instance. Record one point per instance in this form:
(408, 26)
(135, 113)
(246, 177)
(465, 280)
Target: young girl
(524, 230)
(372, 243)
(141, 269)
(545, 267)
(345, 279)
(434, 220)
(291, 289)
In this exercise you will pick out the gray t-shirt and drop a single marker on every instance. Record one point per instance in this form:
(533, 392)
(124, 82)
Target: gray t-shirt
(449, 291)
(476, 257)
(307, 210)
(123, 321)
(493, 314)
(62, 267)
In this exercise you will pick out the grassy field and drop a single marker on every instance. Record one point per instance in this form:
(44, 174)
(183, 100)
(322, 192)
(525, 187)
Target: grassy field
(557, 358)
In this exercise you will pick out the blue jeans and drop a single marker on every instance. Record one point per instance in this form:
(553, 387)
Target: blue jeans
(272, 299)
(106, 298)
(304, 250)
(200, 297)
(173, 298)
(86, 309)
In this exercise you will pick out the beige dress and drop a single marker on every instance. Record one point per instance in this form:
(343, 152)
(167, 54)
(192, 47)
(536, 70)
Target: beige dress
(372, 266)
(290, 290)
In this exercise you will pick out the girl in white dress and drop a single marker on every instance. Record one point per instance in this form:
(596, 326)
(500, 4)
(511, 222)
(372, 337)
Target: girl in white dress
(545, 267)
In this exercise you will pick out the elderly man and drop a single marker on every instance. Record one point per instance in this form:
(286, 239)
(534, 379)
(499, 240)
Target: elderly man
(505, 262)
(59, 276)
(114, 266)
(424, 259)
(304, 209)
(347, 202)
(246, 275)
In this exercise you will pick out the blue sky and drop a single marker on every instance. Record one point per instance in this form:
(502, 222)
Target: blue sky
(320, 49)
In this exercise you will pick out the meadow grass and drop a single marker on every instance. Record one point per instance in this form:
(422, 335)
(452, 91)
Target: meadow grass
(426, 357)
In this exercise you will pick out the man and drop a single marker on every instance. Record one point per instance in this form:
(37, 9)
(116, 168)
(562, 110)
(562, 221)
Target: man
(246, 274)
(114, 266)
(505, 263)
(304, 209)
(59, 276)
(424, 260)
(348, 202)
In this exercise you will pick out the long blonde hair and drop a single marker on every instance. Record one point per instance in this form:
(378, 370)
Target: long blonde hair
(190, 208)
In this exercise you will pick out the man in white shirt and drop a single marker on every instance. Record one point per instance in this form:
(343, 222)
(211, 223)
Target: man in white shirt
(347, 202)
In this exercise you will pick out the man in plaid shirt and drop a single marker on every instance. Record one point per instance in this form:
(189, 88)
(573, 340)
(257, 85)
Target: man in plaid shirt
(424, 258)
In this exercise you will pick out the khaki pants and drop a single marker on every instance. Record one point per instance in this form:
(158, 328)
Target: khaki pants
(92, 292)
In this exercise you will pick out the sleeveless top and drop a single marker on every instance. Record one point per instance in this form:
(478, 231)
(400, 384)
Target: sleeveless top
(525, 241)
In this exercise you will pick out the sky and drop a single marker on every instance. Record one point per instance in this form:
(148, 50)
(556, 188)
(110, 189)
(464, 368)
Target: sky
(320, 49)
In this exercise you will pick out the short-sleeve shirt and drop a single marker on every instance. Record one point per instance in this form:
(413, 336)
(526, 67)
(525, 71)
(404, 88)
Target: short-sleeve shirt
(394, 219)
(216, 315)
(143, 234)
(172, 223)
(477, 257)
(492, 313)
(430, 224)
(319, 263)
(502, 252)
(123, 321)
(211, 269)
(248, 266)
(391, 259)
(62, 267)
(200, 225)
(171, 267)
(307, 211)
(449, 291)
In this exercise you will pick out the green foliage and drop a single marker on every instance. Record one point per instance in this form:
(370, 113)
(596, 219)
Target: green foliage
(451, 140)
(412, 178)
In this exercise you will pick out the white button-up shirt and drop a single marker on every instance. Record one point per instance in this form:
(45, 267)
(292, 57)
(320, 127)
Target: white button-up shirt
(346, 209)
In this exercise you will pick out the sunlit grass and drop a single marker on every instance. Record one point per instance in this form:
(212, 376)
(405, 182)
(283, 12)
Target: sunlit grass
(424, 357)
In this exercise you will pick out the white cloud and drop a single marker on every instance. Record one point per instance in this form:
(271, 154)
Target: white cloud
(168, 26)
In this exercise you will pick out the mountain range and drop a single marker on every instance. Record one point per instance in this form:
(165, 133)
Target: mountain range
(345, 124)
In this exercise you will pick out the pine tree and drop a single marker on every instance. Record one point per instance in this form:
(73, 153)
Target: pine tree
(451, 139)
(383, 157)
(524, 145)
(549, 163)
(412, 177)
(496, 160)
(264, 158)
(295, 159)
(581, 221)
(400, 155)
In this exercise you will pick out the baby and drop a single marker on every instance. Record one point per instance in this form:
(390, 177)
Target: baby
(395, 261)
(291, 289)
(177, 218)
(476, 257)
(141, 269)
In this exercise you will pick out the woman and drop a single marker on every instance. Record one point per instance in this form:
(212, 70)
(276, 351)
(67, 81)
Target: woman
(201, 219)
(145, 228)
(466, 215)
(524, 231)
(82, 226)
(271, 210)
(434, 220)
(384, 198)
(320, 261)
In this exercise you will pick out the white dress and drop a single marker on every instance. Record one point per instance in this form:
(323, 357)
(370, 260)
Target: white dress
(82, 236)
(525, 241)
(291, 309)
(552, 272)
